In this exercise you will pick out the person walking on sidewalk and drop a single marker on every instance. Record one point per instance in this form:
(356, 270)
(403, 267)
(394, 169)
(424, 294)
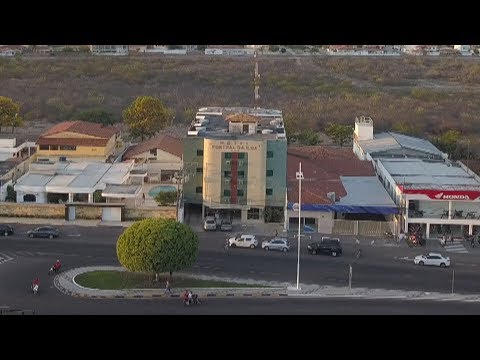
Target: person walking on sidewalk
(168, 289)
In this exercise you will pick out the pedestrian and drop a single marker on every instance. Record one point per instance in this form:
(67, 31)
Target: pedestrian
(143, 197)
(451, 238)
(168, 289)
(276, 232)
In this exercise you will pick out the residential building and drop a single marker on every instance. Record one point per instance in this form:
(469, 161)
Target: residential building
(78, 139)
(160, 157)
(109, 49)
(235, 162)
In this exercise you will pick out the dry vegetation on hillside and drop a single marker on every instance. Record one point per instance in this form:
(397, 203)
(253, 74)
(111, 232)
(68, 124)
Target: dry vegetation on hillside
(427, 95)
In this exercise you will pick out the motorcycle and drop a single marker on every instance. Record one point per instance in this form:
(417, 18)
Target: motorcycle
(35, 289)
(358, 255)
(193, 301)
(54, 270)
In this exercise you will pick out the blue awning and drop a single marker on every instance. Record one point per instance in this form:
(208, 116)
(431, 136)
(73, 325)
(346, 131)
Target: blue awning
(349, 209)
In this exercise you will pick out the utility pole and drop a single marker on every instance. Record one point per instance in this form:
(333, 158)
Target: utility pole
(256, 80)
(299, 176)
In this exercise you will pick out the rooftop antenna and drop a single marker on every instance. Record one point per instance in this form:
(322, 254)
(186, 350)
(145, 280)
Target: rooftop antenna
(256, 79)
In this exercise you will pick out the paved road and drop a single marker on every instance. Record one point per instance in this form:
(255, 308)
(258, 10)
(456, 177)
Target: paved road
(278, 306)
(381, 267)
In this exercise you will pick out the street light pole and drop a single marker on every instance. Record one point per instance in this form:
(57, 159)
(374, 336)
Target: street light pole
(299, 176)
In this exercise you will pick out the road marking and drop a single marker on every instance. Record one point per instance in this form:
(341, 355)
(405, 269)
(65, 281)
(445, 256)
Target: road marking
(77, 235)
(4, 258)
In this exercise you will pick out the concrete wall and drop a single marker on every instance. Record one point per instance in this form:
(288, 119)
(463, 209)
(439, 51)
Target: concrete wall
(277, 163)
(167, 212)
(54, 211)
(88, 212)
(190, 162)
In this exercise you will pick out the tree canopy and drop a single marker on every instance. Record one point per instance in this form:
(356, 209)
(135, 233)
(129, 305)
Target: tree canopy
(9, 113)
(157, 245)
(145, 116)
(340, 134)
(97, 116)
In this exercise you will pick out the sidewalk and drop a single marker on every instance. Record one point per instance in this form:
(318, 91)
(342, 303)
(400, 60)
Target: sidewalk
(65, 282)
(62, 222)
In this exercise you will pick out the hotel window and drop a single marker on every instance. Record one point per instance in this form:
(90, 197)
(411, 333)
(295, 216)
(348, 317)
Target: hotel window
(53, 147)
(269, 191)
(269, 154)
(153, 152)
(253, 214)
(199, 152)
(227, 174)
(240, 192)
(228, 156)
(241, 155)
(269, 173)
(198, 189)
(68, 147)
(226, 192)
(241, 174)
(44, 147)
(199, 170)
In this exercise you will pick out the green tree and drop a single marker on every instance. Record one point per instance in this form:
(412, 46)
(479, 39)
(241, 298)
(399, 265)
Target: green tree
(11, 194)
(166, 198)
(308, 137)
(291, 124)
(9, 111)
(146, 116)
(448, 141)
(339, 133)
(97, 116)
(157, 245)
(98, 198)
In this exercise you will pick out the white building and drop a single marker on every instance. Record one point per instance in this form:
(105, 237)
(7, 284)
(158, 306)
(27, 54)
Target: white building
(434, 195)
(109, 49)
(74, 181)
(369, 146)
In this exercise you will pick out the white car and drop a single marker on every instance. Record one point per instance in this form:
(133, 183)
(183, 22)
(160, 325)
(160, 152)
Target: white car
(434, 259)
(280, 244)
(243, 241)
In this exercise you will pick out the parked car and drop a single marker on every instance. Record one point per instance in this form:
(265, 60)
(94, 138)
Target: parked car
(329, 246)
(434, 259)
(210, 223)
(280, 244)
(226, 225)
(44, 231)
(243, 241)
(6, 230)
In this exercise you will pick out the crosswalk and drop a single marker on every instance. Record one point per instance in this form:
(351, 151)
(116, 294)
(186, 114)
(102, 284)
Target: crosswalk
(7, 255)
(456, 248)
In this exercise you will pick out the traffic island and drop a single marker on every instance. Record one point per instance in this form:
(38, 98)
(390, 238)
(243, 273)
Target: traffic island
(116, 282)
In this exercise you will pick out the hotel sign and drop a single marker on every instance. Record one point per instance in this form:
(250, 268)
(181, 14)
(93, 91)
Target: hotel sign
(446, 195)
(236, 146)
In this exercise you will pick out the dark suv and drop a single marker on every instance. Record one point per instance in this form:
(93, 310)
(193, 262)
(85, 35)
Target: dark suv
(329, 246)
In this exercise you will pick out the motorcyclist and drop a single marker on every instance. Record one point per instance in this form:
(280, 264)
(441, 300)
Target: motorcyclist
(57, 265)
(36, 284)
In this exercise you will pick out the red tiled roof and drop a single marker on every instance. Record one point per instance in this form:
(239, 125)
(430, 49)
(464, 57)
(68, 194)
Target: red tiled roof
(322, 168)
(72, 141)
(83, 127)
(163, 142)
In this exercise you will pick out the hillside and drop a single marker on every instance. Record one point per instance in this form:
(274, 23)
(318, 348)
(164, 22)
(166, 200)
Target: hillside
(425, 95)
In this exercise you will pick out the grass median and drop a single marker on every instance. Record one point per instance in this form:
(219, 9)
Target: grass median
(117, 280)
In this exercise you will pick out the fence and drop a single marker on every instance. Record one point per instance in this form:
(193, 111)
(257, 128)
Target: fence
(362, 227)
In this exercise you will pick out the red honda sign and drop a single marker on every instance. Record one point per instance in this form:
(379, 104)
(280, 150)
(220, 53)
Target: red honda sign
(445, 194)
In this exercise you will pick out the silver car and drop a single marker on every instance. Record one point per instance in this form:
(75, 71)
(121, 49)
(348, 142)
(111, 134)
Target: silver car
(210, 223)
(280, 244)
